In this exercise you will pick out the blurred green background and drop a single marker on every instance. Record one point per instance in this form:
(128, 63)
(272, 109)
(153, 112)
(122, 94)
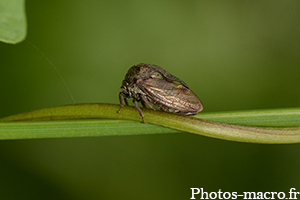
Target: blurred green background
(234, 55)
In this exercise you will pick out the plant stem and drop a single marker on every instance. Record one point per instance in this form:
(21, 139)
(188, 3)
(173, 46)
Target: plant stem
(197, 125)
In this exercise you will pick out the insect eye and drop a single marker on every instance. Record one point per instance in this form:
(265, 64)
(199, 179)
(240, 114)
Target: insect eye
(125, 84)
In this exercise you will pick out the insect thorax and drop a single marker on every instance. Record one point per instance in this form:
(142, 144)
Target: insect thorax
(130, 86)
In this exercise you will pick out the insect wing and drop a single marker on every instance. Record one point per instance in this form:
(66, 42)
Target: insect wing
(171, 96)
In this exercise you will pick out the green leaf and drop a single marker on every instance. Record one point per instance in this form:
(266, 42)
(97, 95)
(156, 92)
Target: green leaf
(13, 26)
(271, 117)
(264, 126)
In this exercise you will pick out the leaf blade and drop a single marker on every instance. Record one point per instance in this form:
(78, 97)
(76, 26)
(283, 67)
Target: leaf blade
(273, 135)
(13, 25)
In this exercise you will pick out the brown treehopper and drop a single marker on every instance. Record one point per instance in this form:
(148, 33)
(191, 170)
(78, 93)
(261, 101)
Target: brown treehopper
(148, 84)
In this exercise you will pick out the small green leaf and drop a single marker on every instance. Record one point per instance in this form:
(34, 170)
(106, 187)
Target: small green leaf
(13, 26)
(276, 126)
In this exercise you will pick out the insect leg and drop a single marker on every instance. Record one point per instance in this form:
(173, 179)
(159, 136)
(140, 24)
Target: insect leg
(161, 109)
(143, 104)
(121, 102)
(126, 102)
(136, 103)
(147, 102)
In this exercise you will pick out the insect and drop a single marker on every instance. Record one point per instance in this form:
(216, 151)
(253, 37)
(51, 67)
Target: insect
(148, 84)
